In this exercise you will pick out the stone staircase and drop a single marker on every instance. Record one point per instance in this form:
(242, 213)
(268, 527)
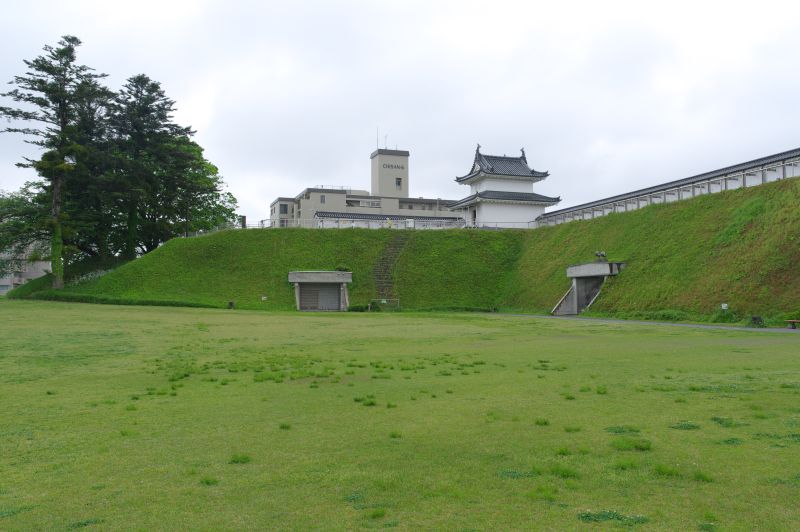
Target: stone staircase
(384, 267)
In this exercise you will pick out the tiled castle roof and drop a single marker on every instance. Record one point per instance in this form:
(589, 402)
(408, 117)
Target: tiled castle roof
(501, 166)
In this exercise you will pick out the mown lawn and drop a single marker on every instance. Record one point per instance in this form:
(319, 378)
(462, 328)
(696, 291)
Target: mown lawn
(164, 418)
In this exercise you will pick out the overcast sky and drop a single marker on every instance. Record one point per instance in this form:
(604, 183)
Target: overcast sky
(607, 96)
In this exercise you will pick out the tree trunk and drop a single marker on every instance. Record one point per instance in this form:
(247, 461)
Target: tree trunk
(57, 241)
(132, 234)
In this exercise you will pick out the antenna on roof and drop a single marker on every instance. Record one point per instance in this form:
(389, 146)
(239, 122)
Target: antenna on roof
(377, 137)
(385, 140)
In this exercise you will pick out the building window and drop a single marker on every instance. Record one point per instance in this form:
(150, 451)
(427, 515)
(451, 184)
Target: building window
(322, 198)
(410, 207)
(284, 209)
(398, 182)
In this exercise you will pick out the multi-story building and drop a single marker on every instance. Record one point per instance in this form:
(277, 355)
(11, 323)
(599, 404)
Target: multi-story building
(387, 204)
(23, 272)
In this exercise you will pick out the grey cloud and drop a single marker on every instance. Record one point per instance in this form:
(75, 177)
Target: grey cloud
(286, 95)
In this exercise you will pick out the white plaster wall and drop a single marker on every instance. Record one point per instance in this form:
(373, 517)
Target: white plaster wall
(735, 183)
(507, 215)
(505, 185)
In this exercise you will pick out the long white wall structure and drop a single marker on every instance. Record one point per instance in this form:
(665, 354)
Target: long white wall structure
(764, 170)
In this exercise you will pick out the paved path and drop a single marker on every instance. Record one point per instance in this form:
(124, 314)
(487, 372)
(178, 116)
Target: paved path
(738, 328)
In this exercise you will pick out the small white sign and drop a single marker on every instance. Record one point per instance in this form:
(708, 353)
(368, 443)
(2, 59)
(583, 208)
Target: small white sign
(724, 306)
(263, 298)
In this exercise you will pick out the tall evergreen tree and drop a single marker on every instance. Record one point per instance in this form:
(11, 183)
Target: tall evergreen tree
(142, 123)
(50, 92)
(89, 213)
(120, 177)
(169, 187)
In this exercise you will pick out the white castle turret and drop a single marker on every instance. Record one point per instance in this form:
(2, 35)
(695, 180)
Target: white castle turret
(502, 192)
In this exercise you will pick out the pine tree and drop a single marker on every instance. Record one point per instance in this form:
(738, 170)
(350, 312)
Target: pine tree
(142, 123)
(168, 186)
(51, 92)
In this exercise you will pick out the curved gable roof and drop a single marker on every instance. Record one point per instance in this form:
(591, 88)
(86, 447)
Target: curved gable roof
(498, 165)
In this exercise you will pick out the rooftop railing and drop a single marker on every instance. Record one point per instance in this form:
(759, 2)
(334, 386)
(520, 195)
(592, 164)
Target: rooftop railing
(350, 223)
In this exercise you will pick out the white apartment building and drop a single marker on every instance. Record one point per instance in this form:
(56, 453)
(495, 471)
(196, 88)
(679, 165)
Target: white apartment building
(24, 272)
(387, 204)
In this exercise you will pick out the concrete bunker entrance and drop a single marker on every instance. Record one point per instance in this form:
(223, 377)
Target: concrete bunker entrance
(320, 296)
(321, 290)
(587, 281)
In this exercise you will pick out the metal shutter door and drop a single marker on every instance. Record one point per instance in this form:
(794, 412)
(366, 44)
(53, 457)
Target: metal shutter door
(329, 296)
(309, 296)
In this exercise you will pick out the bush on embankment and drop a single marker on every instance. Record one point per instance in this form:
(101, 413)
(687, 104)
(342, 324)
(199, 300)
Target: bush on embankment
(683, 260)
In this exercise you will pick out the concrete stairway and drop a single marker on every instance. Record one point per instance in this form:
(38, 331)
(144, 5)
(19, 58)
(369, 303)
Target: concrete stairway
(569, 305)
(384, 267)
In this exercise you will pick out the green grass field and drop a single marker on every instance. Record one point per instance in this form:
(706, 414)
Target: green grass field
(176, 418)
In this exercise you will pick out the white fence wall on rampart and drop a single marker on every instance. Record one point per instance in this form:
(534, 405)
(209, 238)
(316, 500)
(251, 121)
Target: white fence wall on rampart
(766, 170)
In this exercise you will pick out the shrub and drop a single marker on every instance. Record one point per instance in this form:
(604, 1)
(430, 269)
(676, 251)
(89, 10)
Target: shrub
(726, 422)
(513, 474)
(724, 316)
(699, 476)
(625, 465)
(561, 471)
(685, 425)
(611, 515)
(663, 470)
(543, 493)
(622, 429)
(631, 444)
